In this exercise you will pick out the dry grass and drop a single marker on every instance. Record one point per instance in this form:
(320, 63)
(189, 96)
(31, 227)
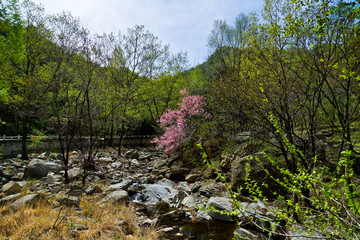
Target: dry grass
(90, 221)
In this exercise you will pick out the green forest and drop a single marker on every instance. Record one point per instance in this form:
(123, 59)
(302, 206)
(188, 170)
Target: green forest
(286, 84)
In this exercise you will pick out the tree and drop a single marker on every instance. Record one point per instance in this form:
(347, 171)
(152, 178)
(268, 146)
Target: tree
(180, 125)
(65, 103)
(27, 82)
(11, 42)
(133, 56)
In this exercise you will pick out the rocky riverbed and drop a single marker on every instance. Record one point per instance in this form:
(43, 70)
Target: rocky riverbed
(178, 199)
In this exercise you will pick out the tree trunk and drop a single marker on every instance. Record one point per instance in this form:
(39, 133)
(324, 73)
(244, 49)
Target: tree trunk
(24, 155)
(122, 134)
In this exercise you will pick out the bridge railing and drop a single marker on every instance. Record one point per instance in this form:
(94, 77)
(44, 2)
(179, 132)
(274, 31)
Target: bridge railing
(19, 137)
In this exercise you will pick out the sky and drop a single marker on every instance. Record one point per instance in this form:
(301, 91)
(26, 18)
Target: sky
(184, 24)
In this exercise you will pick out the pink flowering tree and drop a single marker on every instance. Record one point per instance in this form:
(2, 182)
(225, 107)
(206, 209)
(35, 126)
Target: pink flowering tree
(180, 125)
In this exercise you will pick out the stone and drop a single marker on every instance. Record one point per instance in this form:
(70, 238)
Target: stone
(92, 189)
(135, 162)
(299, 233)
(38, 168)
(177, 216)
(190, 178)
(9, 199)
(53, 178)
(241, 167)
(11, 188)
(162, 207)
(241, 233)
(124, 185)
(159, 166)
(145, 156)
(178, 172)
(75, 173)
(106, 160)
(212, 189)
(196, 187)
(220, 204)
(189, 201)
(152, 193)
(116, 165)
(116, 197)
(203, 216)
(28, 200)
(133, 154)
(208, 173)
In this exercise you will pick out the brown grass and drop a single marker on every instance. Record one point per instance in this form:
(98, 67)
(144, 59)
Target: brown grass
(90, 221)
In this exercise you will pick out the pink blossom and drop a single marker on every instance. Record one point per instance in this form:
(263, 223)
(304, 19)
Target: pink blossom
(179, 124)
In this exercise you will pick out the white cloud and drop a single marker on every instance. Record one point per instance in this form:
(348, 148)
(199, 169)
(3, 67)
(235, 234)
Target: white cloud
(185, 24)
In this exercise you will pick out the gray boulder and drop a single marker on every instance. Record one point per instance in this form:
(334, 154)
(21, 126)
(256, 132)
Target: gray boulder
(75, 173)
(190, 178)
(221, 204)
(190, 201)
(159, 166)
(38, 168)
(178, 172)
(241, 233)
(9, 199)
(28, 200)
(124, 185)
(117, 197)
(243, 166)
(208, 173)
(133, 154)
(212, 189)
(11, 188)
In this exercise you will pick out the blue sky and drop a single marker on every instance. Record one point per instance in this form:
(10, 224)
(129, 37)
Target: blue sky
(184, 24)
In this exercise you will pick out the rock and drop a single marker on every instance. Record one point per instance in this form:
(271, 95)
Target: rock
(190, 178)
(159, 166)
(116, 165)
(70, 201)
(189, 201)
(53, 178)
(152, 193)
(212, 189)
(124, 185)
(196, 187)
(75, 189)
(299, 233)
(178, 172)
(133, 154)
(9, 199)
(117, 197)
(56, 156)
(202, 216)
(220, 204)
(75, 173)
(38, 168)
(241, 233)
(145, 156)
(208, 173)
(162, 207)
(92, 189)
(177, 216)
(11, 188)
(135, 162)
(243, 166)
(106, 160)
(28, 200)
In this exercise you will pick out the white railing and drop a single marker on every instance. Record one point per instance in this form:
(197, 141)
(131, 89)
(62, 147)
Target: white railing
(18, 137)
